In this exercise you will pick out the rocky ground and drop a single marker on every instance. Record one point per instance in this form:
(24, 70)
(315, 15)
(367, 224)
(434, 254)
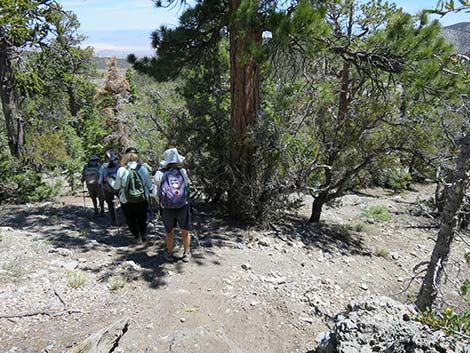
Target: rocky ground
(65, 275)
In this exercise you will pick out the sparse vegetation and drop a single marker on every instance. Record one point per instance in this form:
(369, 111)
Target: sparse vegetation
(448, 320)
(382, 253)
(359, 227)
(13, 269)
(377, 213)
(84, 232)
(76, 279)
(117, 281)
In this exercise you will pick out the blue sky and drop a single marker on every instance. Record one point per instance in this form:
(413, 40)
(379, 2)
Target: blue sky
(125, 25)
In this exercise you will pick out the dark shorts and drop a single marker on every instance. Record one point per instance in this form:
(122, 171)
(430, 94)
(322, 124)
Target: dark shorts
(177, 216)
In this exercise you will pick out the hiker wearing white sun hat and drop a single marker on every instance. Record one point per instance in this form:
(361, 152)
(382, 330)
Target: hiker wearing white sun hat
(171, 184)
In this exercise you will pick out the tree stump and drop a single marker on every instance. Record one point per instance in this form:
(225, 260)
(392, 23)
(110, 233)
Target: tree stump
(104, 341)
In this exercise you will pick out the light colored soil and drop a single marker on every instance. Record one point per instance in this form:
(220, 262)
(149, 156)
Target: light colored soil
(243, 291)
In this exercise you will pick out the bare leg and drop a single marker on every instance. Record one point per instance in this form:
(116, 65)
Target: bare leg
(95, 205)
(186, 240)
(169, 242)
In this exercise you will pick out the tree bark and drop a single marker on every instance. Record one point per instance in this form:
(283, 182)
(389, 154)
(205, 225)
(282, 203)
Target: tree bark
(104, 341)
(13, 121)
(317, 206)
(245, 103)
(454, 193)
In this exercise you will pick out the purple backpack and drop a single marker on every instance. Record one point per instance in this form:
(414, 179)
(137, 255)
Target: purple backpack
(173, 189)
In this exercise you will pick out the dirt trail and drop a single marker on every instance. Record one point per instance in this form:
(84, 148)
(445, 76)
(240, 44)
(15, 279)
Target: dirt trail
(244, 291)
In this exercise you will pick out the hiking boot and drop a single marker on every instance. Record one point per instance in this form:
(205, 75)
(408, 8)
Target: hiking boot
(186, 256)
(138, 239)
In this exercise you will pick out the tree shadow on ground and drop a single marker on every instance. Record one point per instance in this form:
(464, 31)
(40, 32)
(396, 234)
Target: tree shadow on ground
(74, 227)
(330, 238)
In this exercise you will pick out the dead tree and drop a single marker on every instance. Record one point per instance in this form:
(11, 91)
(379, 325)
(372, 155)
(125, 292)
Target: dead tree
(454, 194)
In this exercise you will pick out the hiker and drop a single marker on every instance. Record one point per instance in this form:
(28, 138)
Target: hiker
(134, 184)
(108, 172)
(90, 175)
(172, 188)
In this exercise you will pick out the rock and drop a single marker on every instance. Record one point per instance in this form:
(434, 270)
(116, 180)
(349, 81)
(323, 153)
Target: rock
(246, 266)
(69, 266)
(60, 251)
(307, 319)
(363, 286)
(326, 342)
(384, 325)
(182, 319)
(394, 255)
(264, 242)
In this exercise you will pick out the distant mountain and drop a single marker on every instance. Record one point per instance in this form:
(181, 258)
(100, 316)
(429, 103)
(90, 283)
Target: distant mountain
(459, 35)
(101, 62)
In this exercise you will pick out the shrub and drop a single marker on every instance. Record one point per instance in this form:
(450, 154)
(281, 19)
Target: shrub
(448, 320)
(117, 281)
(377, 213)
(76, 279)
(22, 184)
(382, 253)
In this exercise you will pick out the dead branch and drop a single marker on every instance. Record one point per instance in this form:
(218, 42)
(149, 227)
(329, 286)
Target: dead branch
(104, 341)
(58, 296)
(415, 276)
(40, 312)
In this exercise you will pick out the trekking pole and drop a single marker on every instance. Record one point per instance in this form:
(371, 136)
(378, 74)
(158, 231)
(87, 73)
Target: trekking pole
(115, 216)
(84, 197)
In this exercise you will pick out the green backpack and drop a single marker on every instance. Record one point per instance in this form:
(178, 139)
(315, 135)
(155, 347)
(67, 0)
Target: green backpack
(134, 188)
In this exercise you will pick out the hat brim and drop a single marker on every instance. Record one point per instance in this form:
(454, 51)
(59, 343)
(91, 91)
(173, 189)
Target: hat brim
(178, 160)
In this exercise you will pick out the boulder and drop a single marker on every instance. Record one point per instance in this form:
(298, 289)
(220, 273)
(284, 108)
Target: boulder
(381, 324)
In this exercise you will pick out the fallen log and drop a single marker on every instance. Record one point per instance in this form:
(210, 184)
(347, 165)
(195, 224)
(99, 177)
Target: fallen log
(104, 341)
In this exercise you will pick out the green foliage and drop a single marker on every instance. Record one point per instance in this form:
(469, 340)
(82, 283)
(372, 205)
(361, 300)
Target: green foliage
(377, 213)
(448, 320)
(22, 184)
(467, 257)
(465, 288)
(132, 90)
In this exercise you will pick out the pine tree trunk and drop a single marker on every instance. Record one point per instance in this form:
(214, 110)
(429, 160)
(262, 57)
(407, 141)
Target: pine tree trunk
(454, 193)
(13, 121)
(245, 103)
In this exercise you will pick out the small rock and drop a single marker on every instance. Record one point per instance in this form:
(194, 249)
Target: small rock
(60, 251)
(364, 286)
(264, 242)
(394, 255)
(246, 266)
(182, 319)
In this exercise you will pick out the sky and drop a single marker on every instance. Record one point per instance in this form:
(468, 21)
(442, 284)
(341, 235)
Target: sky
(117, 27)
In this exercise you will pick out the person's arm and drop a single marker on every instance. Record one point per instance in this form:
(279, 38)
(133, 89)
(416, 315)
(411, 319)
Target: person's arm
(157, 180)
(116, 183)
(102, 178)
(186, 179)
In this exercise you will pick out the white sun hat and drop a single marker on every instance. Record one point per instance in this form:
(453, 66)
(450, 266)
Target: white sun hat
(171, 156)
